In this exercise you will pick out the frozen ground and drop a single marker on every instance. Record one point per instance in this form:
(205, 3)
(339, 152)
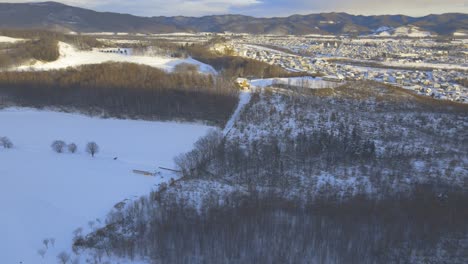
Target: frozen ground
(4, 39)
(71, 57)
(244, 99)
(308, 82)
(405, 31)
(48, 195)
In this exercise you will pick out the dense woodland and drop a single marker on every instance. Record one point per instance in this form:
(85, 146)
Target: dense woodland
(124, 90)
(364, 173)
(246, 228)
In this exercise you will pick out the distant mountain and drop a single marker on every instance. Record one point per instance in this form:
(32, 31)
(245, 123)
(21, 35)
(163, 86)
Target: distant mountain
(54, 15)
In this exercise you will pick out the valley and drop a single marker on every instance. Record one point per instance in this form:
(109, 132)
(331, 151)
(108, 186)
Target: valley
(308, 138)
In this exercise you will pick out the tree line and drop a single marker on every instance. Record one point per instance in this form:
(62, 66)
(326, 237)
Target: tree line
(124, 90)
(79, 41)
(231, 66)
(243, 227)
(365, 174)
(43, 49)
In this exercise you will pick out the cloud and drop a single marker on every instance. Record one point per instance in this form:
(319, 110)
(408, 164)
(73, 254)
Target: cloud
(269, 7)
(159, 7)
(176, 7)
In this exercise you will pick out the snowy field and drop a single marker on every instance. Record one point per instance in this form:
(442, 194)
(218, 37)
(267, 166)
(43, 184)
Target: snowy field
(308, 82)
(4, 39)
(44, 194)
(404, 31)
(71, 57)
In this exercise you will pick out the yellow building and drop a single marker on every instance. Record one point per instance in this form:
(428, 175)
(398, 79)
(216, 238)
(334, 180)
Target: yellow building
(243, 83)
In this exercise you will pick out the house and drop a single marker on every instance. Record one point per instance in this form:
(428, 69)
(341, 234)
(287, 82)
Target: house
(243, 83)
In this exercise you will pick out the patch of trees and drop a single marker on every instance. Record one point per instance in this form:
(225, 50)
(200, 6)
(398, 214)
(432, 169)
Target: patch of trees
(270, 192)
(235, 66)
(252, 228)
(39, 45)
(125, 90)
(60, 146)
(359, 139)
(269, 160)
(44, 49)
(79, 41)
(6, 142)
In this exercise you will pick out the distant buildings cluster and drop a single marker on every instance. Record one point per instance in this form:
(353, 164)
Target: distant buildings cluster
(412, 64)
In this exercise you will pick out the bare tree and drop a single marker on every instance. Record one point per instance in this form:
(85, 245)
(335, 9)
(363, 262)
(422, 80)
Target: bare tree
(92, 148)
(6, 142)
(46, 242)
(72, 148)
(63, 257)
(42, 252)
(58, 146)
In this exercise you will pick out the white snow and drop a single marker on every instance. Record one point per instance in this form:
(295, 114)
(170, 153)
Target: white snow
(405, 31)
(460, 34)
(244, 99)
(10, 40)
(309, 82)
(44, 194)
(71, 57)
(426, 65)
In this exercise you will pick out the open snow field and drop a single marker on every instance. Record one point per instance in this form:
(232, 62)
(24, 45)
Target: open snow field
(44, 194)
(307, 82)
(71, 57)
(4, 39)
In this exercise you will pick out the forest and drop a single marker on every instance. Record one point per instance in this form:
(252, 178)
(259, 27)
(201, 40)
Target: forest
(124, 91)
(246, 228)
(366, 173)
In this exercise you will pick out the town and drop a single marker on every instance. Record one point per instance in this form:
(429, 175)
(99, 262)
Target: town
(424, 65)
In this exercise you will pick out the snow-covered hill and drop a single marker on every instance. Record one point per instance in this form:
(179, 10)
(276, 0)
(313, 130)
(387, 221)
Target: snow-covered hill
(46, 195)
(403, 31)
(71, 57)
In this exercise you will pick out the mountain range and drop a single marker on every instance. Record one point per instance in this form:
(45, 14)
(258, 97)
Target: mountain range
(53, 15)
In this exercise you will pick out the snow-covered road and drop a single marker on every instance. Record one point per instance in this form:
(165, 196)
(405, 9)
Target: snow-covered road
(244, 98)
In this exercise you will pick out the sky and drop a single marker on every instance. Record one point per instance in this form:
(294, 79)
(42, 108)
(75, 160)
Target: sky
(268, 8)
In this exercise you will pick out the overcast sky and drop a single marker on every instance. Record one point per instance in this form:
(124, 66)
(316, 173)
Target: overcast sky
(269, 8)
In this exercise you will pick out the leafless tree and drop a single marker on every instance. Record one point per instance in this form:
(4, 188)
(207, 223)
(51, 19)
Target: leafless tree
(42, 252)
(52, 241)
(46, 242)
(92, 148)
(58, 146)
(72, 148)
(6, 142)
(63, 257)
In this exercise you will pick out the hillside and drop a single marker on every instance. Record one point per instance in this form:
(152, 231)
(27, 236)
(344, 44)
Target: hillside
(62, 17)
(363, 173)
